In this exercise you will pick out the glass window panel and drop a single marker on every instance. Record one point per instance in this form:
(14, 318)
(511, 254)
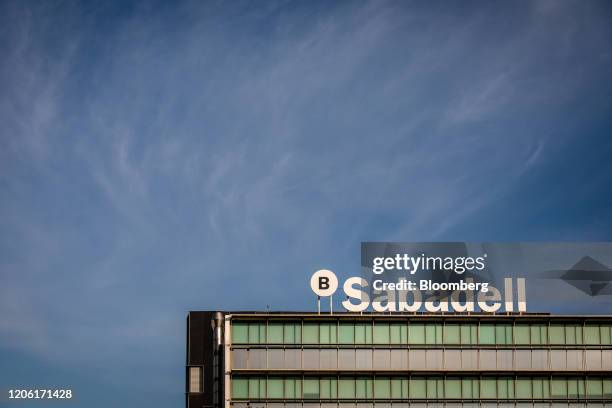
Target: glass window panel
(395, 333)
(381, 333)
(536, 334)
(254, 388)
(451, 334)
(290, 333)
(468, 333)
(488, 388)
(311, 388)
(346, 388)
(310, 333)
(432, 388)
(591, 334)
(240, 388)
(290, 388)
(502, 388)
(607, 388)
(470, 388)
(240, 332)
(523, 388)
(557, 334)
(521, 334)
(605, 335)
(396, 388)
(417, 388)
(275, 387)
(257, 333)
(275, 333)
(416, 333)
(346, 333)
(570, 334)
(363, 388)
(452, 388)
(594, 388)
(325, 388)
(559, 387)
(363, 333)
(537, 385)
(573, 390)
(433, 334)
(382, 388)
(487, 334)
(325, 333)
(503, 334)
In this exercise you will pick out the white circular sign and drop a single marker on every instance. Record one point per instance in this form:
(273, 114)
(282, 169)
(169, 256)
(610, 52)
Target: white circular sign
(324, 282)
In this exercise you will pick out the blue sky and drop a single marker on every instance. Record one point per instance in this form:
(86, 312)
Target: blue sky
(162, 157)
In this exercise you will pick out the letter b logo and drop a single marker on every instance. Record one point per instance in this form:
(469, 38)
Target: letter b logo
(324, 283)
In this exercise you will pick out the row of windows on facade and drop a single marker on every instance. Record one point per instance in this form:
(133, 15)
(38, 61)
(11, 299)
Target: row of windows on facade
(386, 388)
(422, 359)
(419, 404)
(419, 333)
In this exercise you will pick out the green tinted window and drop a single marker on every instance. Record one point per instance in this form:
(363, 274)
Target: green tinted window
(538, 334)
(382, 388)
(327, 333)
(240, 388)
(311, 388)
(416, 333)
(470, 388)
(257, 333)
(398, 333)
(505, 388)
(451, 334)
(487, 334)
(523, 388)
(363, 388)
(607, 387)
(292, 389)
(488, 388)
(346, 333)
(328, 388)
(396, 388)
(257, 388)
(433, 334)
(363, 333)
(469, 333)
(293, 333)
(240, 332)
(418, 387)
(594, 388)
(346, 388)
(559, 388)
(275, 333)
(381, 333)
(310, 333)
(275, 388)
(591, 335)
(521, 334)
(452, 388)
(557, 334)
(606, 339)
(503, 334)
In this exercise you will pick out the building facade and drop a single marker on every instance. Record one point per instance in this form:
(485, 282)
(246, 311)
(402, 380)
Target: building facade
(375, 360)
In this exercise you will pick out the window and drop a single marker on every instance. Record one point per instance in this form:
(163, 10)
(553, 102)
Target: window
(521, 334)
(311, 388)
(257, 333)
(591, 335)
(381, 333)
(523, 388)
(416, 333)
(293, 333)
(503, 334)
(382, 388)
(488, 387)
(310, 333)
(363, 333)
(346, 334)
(433, 334)
(469, 334)
(487, 334)
(327, 333)
(594, 388)
(240, 388)
(559, 388)
(418, 388)
(346, 388)
(452, 388)
(275, 388)
(275, 333)
(240, 332)
(451, 334)
(557, 334)
(398, 333)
